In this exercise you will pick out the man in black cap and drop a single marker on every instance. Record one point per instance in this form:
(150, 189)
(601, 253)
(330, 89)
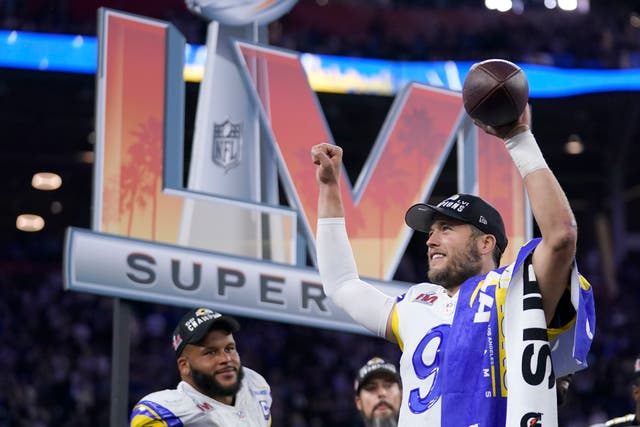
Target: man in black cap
(378, 393)
(475, 327)
(216, 390)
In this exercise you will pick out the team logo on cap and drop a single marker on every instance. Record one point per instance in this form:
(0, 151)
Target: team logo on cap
(454, 204)
(177, 340)
(202, 315)
(203, 311)
(375, 364)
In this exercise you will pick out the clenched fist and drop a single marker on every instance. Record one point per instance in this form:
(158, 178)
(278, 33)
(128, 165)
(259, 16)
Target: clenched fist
(328, 157)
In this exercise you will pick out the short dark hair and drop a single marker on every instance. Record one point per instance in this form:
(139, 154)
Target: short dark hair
(496, 254)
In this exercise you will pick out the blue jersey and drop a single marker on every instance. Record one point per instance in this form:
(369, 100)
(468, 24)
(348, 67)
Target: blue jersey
(454, 348)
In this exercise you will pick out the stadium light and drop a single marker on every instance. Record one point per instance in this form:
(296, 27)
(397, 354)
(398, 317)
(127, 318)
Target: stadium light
(46, 181)
(29, 222)
(569, 5)
(499, 5)
(574, 145)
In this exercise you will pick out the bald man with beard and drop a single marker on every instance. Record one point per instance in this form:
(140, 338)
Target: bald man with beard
(215, 389)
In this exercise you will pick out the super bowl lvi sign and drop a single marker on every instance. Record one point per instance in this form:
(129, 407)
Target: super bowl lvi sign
(225, 240)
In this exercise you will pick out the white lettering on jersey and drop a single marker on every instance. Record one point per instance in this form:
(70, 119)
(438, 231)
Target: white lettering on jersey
(482, 315)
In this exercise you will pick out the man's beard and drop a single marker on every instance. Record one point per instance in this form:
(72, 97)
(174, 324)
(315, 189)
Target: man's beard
(460, 267)
(387, 421)
(390, 421)
(207, 384)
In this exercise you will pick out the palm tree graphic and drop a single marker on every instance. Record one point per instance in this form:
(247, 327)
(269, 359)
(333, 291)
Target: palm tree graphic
(141, 172)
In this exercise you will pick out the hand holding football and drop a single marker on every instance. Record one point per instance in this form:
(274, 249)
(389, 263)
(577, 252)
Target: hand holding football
(495, 92)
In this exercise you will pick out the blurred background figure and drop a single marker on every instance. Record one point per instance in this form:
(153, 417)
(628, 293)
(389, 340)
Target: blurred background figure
(378, 393)
(562, 389)
(632, 419)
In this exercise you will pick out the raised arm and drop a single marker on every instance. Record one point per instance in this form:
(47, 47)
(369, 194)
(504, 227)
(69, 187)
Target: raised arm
(336, 263)
(329, 160)
(553, 258)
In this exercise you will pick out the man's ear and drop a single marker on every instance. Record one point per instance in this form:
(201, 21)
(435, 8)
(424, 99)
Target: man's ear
(183, 366)
(486, 243)
(358, 403)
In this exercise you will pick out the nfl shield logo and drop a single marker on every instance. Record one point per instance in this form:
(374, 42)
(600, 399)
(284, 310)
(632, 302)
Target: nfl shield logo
(227, 144)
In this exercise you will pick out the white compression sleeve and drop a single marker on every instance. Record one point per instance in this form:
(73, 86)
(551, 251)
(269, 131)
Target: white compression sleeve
(525, 153)
(338, 272)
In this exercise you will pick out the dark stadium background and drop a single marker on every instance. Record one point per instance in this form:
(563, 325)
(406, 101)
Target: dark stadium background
(56, 346)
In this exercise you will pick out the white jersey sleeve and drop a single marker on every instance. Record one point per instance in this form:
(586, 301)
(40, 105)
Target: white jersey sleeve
(341, 282)
(187, 407)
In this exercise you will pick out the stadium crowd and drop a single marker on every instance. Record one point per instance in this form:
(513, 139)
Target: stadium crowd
(573, 40)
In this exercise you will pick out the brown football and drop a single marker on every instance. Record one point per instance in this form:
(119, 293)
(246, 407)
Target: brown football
(495, 92)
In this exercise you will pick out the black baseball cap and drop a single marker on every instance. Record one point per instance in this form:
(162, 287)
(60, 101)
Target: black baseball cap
(376, 367)
(463, 207)
(196, 324)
